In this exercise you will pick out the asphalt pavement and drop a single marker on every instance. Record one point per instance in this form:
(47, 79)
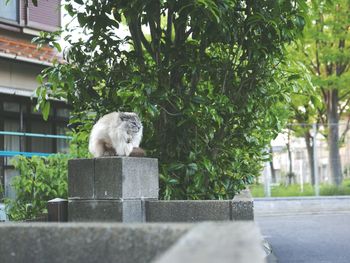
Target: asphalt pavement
(320, 237)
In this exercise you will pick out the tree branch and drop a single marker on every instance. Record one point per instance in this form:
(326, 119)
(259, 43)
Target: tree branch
(135, 35)
(325, 96)
(144, 41)
(347, 127)
(168, 32)
(341, 111)
(345, 95)
(315, 68)
(340, 68)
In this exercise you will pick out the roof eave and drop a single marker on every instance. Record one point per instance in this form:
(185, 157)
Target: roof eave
(25, 59)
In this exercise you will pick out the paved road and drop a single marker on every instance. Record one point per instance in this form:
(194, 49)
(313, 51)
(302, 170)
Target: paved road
(317, 237)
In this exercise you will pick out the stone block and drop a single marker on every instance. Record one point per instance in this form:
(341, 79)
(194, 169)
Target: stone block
(95, 210)
(108, 178)
(243, 206)
(238, 242)
(140, 178)
(134, 211)
(188, 211)
(81, 178)
(113, 178)
(85, 242)
(127, 211)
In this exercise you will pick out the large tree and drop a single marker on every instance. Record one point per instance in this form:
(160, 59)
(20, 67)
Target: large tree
(204, 76)
(325, 48)
(304, 104)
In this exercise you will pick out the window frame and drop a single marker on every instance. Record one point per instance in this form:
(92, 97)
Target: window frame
(10, 21)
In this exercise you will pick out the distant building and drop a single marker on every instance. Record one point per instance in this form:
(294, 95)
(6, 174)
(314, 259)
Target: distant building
(20, 63)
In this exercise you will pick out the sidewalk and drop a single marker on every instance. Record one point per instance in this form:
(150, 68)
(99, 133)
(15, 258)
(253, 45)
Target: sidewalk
(301, 205)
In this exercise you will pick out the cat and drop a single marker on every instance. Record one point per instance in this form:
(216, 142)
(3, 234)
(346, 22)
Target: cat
(116, 133)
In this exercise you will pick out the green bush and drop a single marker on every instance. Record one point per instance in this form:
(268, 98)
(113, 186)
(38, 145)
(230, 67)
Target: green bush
(41, 179)
(205, 79)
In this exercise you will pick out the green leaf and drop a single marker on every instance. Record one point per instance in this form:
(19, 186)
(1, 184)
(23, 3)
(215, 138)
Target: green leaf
(57, 46)
(82, 19)
(46, 110)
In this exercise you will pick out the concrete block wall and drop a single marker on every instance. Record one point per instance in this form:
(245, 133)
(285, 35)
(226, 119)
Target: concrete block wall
(125, 189)
(111, 189)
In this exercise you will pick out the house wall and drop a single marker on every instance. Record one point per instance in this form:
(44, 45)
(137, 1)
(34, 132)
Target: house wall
(45, 16)
(19, 75)
(17, 84)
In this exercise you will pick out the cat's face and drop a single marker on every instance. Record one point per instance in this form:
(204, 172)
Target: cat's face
(132, 122)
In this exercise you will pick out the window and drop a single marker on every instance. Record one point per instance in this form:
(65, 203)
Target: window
(17, 115)
(11, 143)
(9, 10)
(11, 106)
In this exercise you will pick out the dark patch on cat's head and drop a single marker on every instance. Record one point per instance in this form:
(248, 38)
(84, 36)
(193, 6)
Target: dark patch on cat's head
(133, 122)
(127, 116)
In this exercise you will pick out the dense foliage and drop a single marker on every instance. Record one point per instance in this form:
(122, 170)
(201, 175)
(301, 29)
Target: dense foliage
(203, 75)
(41, 179)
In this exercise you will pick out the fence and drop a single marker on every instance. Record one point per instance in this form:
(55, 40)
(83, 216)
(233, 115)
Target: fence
(307, 166)
(13, 143)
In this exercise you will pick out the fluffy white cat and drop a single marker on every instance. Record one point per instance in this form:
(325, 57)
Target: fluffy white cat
(116, 133)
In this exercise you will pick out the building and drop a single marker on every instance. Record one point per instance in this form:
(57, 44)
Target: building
(20, 63)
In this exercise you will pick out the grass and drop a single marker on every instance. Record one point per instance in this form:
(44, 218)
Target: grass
(257, 190)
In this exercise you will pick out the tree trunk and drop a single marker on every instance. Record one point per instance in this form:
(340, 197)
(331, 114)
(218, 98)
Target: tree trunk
(310, 154)
(333, 138)
(290, 173)
(273, 172)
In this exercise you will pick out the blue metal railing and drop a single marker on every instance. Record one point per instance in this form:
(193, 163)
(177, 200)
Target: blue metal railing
(26, 154)
(28, 134)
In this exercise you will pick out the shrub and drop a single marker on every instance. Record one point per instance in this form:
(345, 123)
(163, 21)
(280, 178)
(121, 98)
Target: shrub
(41, 179)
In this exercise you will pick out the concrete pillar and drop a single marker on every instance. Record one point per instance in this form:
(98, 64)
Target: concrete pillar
(112, 189)
(57, 210)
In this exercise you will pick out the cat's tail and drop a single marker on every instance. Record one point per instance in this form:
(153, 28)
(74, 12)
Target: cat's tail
(96, 146)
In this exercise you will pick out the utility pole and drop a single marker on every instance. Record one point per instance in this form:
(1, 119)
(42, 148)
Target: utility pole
(314, 146)
(267, 180)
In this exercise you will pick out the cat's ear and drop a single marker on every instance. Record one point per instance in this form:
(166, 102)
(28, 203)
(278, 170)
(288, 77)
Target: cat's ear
(123, 116)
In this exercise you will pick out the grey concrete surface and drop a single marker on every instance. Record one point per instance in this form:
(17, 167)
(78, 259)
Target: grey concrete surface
(81, 178)
(113, 178)
(188, 211)
(95, 211)
(108, 178)
(240, 208)
(140, 178)
(306, 229)
(85, 242)
(127, 211)
(301, 205)
(134, 211)
(98, 187)
(243, 206)
(238, 242)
